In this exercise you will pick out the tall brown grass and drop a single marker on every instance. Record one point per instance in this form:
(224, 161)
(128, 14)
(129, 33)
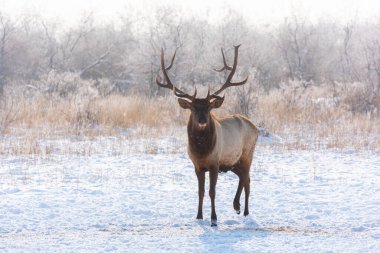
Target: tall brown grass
(314, 120)
(317, 120)
(83, 115)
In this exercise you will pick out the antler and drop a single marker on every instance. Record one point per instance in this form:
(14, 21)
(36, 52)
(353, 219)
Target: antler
(167, 83)
(228, 82)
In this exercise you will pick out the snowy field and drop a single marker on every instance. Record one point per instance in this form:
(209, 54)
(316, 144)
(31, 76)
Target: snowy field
(128, 195)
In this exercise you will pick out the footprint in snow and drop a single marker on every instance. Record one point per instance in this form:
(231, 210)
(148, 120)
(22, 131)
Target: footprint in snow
(231, 222)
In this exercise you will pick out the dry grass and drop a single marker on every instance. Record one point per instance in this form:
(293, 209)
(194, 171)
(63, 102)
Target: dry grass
(316, 123)
(311, 121)
(93, 116)
(134, 111)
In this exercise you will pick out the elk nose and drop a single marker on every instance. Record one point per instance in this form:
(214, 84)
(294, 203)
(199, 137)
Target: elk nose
(202, 120)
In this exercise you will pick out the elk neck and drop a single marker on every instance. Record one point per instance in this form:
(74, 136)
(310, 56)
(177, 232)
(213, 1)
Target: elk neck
(201, 140)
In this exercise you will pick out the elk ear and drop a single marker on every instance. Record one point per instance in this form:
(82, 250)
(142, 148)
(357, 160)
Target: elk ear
(217, 102)
(184, 103)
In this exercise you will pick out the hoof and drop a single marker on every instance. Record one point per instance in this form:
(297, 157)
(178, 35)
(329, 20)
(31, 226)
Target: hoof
(214, 223)
(237, 206)
(246, 213)
(237, 211)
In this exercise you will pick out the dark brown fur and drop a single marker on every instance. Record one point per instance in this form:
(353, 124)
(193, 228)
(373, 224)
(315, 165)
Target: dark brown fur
(201, 141)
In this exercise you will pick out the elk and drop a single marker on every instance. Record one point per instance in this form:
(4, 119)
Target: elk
(216, 144)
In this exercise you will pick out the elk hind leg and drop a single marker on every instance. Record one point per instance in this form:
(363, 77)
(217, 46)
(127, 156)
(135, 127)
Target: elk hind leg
(245, 164)
(237, 171)
(213, 180)
(246, 194)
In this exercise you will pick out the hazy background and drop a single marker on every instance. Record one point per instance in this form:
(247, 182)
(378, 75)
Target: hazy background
(85, 63)
(70, 11)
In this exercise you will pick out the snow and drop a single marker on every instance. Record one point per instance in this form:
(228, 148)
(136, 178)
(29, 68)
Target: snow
(129, 195)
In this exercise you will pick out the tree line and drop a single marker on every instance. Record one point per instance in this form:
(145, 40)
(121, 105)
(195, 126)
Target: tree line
(126, 52)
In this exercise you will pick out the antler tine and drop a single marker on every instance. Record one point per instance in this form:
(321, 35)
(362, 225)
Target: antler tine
(225, 63)
(195, 94)
(171, 63)
(212, 96)
(228, 82)
(208, 97)
(167, 83)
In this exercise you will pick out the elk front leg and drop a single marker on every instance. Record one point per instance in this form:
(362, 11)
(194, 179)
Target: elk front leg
(213, 179)
(201, 192)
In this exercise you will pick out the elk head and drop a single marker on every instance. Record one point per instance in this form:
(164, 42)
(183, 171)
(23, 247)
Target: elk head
(200, 107)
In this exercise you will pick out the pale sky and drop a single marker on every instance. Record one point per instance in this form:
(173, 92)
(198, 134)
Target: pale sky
(256, 11)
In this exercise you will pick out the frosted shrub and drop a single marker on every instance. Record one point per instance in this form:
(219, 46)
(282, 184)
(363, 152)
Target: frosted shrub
(360, 98)
(66, 85)
(292, 93)
(9, 112)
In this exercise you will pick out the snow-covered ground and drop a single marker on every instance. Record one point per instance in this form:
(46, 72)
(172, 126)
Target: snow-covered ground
(115, 194)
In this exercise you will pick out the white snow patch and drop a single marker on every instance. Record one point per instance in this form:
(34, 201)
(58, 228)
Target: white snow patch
(118, 197)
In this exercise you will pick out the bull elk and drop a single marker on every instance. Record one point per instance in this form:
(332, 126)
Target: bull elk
(216, 144)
